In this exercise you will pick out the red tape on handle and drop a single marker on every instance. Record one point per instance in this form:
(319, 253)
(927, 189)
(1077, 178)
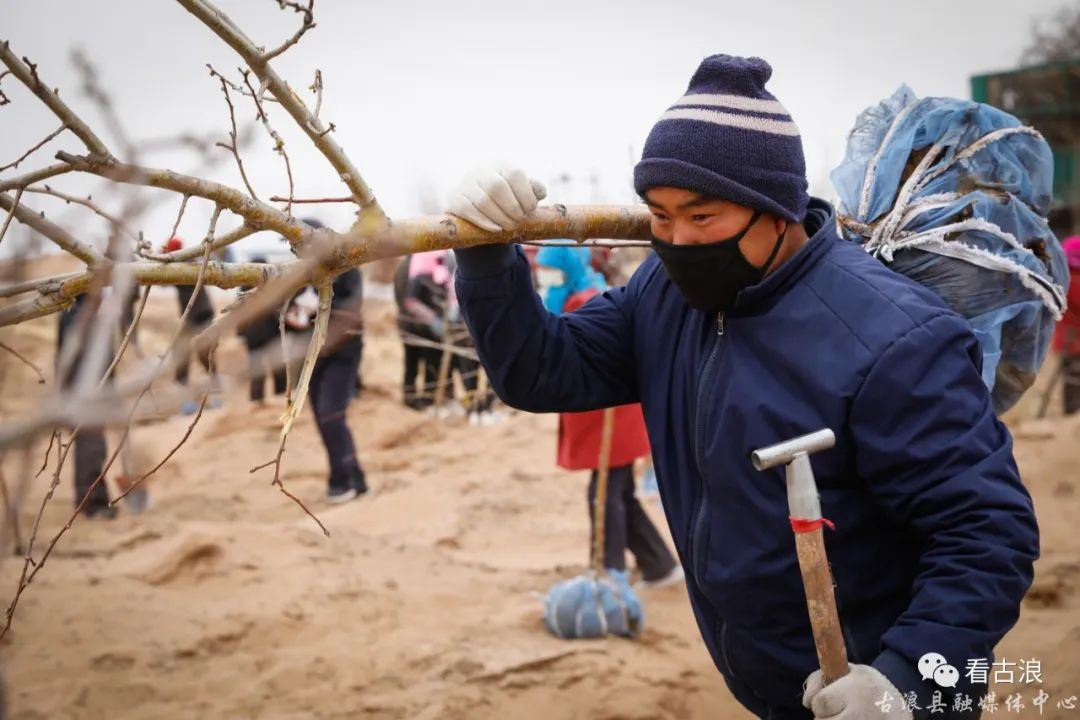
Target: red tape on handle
(802, 525)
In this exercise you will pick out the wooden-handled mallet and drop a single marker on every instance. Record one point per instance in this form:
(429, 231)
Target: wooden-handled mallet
(804, 508)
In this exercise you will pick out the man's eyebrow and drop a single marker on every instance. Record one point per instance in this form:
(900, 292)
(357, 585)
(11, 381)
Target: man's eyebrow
(698, 201)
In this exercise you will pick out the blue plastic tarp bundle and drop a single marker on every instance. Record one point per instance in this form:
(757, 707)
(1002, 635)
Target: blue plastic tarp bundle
(591, 606)
(954, 194)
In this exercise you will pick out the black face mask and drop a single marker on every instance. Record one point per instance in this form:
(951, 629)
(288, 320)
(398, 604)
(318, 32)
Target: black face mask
(710, 276)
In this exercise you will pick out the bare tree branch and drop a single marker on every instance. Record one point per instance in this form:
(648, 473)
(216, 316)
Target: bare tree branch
(27, 74)
(31, 151)
(34, 177)
(257, 214)
(403, 238)
(224, 28)
(44, 285)
(88, 203)
(51, 230)
(223, 275)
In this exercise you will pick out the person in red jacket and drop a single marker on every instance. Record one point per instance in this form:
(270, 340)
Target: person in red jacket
(627, 525)
(1067, 333)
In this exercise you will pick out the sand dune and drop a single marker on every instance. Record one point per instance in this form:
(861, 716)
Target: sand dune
(225, 601)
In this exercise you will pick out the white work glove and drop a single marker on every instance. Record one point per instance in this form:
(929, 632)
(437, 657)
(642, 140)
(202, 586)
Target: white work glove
(853, 696)
(495, 199)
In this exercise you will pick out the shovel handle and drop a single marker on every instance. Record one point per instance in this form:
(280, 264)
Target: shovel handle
(600, 503)
(821, 602)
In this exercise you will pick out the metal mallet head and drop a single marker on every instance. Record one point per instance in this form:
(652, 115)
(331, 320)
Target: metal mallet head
(784, 452)
(802, 493)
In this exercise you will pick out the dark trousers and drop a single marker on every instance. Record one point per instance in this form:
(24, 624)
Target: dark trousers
(412, 368)
(1071, 383)
(417, 358)
(469, 370)
(90, 452)
(627, 526)
(257, 372)
(204, 357)
(333, 385)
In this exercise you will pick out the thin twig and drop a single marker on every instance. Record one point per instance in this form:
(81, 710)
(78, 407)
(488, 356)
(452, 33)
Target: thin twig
(283, 336)
(28, 559)
(11, 213)
(243, 91)
(304, 201)
(179, 217)
(171, 453)
(191, 253)
(279, 144)
(309, 23)
(87, 203)
(32, 366)
(45, 463)
(317, 88)
(276, 463)
(31, 151)
(128, 335)
(232, 133)
(94, 91)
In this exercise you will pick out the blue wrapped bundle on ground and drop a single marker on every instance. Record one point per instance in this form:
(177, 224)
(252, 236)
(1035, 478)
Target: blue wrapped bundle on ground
(591, 606)
(954, 194)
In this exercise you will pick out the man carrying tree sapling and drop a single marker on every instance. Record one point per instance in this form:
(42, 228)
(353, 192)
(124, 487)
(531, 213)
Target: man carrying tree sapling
(753, 323)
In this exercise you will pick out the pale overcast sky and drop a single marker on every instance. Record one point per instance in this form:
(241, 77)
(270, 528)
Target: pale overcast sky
(423, 90)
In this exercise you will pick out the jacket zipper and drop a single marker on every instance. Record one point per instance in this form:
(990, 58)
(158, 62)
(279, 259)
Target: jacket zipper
(699, 516)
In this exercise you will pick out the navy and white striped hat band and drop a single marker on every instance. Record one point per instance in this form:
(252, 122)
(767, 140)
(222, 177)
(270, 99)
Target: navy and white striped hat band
(728, 137)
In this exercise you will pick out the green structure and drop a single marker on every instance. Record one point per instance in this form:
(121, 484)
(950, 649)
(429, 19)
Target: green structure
(1047, 97)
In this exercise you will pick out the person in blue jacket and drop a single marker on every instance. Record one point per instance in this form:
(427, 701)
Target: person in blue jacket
(753, 323)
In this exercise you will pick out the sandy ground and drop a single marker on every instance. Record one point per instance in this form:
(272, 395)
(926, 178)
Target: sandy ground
(225, 601)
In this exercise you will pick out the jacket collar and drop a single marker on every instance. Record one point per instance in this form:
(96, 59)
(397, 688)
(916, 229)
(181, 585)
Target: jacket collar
(820, 224)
